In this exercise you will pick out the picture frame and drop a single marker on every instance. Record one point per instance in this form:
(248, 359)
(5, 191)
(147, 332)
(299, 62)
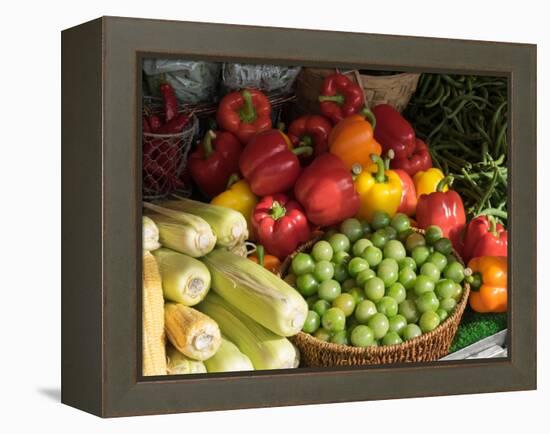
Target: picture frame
(101, 217)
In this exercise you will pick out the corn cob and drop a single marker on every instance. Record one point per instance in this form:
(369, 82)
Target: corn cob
(192, 333)
(153, 339)
(184, 279)
(150, 235)
(257, 292)
(228, 359)
(265, 349)
(179, 364)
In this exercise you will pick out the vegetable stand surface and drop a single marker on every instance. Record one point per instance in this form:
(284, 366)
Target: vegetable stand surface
(342, 231)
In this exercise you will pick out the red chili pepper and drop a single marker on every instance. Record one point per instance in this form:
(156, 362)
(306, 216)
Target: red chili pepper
(155, 123)
(269, 164)
(175, 126)
(312, 131)
(280, 225)
(393, 131)
(326, 191)
(244, 113)
(214, 161)
(340, 97)
(484, 237)
(408, 197)
(170, 102)
(443, 209)
(146, 126)
(419, 160)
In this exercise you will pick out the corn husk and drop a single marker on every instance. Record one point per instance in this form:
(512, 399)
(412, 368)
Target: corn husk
(228, 358)
(150, 234)
(179, 364)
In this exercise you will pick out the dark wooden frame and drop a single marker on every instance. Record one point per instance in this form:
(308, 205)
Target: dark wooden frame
(101, 221)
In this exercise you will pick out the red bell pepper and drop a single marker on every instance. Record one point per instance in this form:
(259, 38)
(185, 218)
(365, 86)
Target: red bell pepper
(326, 191)
(419, 160)
(214, 161)
(443, 209)
(280, 225)
(340, 97)
(269, 164)
(312, 131)
(393, 131)
(155, 122)
(408, 197)
(484, 237)
(170, 102)
(244, 113)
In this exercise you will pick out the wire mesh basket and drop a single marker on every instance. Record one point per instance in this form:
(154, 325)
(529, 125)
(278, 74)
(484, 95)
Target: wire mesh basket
(165, 160)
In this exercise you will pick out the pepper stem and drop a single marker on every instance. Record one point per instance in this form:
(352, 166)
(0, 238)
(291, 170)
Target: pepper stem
(445, 182)
(338, 99)
(207, 143)
(247, 112)
(234, 178)
(305, 140)
(260, 254)
(365, 111)
(492, 225)
(277, 210)
(475, 281)
(281, 126)
(390, 155)
(380, 175)
(303, 150)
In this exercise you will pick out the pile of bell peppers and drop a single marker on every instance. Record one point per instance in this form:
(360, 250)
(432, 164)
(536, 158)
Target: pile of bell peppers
(344, 161)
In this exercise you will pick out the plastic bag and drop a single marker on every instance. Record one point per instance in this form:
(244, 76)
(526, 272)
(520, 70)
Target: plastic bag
(268, 78)
(193, 81)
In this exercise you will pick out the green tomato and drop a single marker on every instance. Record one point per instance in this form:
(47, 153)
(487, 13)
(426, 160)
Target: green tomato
(454, 271)
(388, 274)
(451, 258)
(439, 260)
(374, 289)
(341, 258)
(388, 306)
(358, 294)
(311, 301)
(407, 278)
(430, 270)
(390, 263)
(363, 276)
(373, 256)
(442, 314)
(407, 262)
(367, 230)
(400, 222)
(302, 263)
(397, 291)
(420, 255)
(433, 234)
(324, 270)
(322, 334)
(380, 219)
(345, 302)
(334, 320)
(329, 290)
(329, 233)
(379, 324)
(402, 236)
(427, 301)
(429, 321)
(448, 304)
(362, 336)
(322, 251)
(391, 233)
(391, 338)
(394, 249)
(360, 245)
(445, 288)
(339, 243)
(379, 238)
(340, 338)
(307, 284)
(414, 240)
(364, 311)
(411, 331)
(423, 284)
(313, 321)
(408, 309)
(321, 306)
(443, 245)
(352, 229)
(348, 284)
(340, 272)
(356, 265)
(458, 291)
(397, 324)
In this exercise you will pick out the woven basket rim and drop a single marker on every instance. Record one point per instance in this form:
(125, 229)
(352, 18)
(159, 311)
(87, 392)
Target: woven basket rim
(350, 351)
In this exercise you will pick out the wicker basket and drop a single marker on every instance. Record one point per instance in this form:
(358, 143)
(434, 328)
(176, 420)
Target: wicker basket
(425, 348)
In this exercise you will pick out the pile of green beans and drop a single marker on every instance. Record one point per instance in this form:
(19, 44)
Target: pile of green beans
(463, 118)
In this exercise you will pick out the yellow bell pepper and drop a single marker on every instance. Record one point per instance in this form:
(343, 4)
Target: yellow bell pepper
(425, 182)
(380, 191)
(239, 197)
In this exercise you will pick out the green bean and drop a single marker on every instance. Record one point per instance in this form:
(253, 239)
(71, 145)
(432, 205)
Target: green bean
(435, 87)
(426, 79)
(451, 81)
(501, 137)
(436, 100)
(488, 192)
(494, 212)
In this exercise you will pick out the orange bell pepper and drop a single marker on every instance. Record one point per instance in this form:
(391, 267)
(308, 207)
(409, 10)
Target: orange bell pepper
(489, 284)
(269, 262)
(352, 140)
